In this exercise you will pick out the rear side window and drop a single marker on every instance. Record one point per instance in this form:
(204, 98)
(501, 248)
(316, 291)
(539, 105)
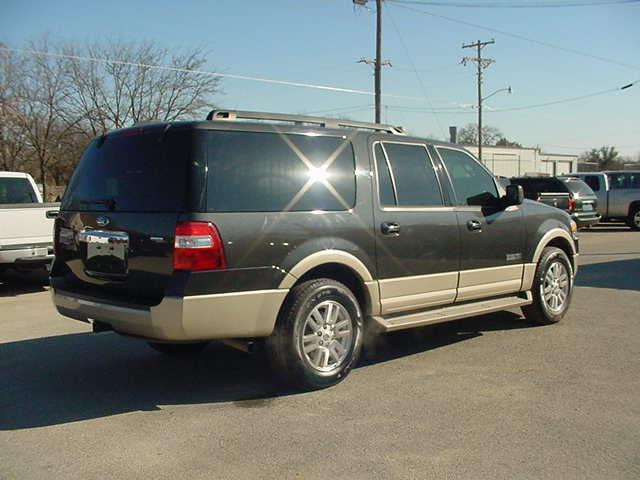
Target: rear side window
(134, 170)
(406, 176)
(593, 181)
(16, 190)
(621, 181)
(470, 181)
(271, 172)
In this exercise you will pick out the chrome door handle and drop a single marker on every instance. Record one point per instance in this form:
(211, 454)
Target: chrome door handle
(474, 225)
(389, 228)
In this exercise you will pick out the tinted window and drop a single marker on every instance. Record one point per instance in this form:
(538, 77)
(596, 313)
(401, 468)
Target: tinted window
(579, 187)
(593, 181)
(16, 190)
(532, 186)
(618, 181)
(385, 184)
(467, 175)
(415, 180)
(268, 172)
(134, 170)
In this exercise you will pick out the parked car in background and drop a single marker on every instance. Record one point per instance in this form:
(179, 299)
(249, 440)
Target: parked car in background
(618, 194)
(26, 234)
(294, 233)
(567, 193)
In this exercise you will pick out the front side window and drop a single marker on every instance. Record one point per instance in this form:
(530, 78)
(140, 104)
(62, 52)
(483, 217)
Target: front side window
(271, 172)
(406, 176)
(16, 190)
(472, 183)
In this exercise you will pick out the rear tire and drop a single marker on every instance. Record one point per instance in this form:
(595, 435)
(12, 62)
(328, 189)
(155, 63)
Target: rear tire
(178, 349)
(634, 218)
(318, 336)
(552, 288)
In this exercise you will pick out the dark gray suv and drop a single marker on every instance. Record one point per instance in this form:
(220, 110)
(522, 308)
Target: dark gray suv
(297, 233)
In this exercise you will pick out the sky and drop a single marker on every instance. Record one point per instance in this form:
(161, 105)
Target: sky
(426, 90)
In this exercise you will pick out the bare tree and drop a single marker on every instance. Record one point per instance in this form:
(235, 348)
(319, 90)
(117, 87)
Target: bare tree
(36, 107)
(606, 158)
(468, 135)
(117, 84)
(54, 98)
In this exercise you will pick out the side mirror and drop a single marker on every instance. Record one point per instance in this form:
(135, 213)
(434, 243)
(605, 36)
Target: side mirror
(514, 196)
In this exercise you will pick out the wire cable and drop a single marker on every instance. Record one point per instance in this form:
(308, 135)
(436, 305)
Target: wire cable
(521, 4)
(415, 71)
(398, 4)
(330, 88)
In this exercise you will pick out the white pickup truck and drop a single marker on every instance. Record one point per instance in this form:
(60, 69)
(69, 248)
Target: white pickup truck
(26, 223)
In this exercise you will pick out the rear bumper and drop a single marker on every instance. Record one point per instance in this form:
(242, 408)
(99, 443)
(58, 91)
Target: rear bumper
(26, 256)
(202, 317)
(586, 219)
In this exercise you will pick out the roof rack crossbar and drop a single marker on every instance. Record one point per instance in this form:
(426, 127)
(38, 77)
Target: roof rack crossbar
(233, 115)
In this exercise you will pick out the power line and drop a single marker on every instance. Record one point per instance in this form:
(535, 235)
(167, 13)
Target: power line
(415, 71)
(524, 107)
(521, 4)
(515, 35)
(288, 83)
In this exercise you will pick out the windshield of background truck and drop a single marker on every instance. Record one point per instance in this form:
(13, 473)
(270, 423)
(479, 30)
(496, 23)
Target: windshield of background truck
(16, 190)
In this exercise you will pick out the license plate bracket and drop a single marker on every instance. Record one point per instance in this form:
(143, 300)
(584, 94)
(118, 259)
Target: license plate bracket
(105, 253)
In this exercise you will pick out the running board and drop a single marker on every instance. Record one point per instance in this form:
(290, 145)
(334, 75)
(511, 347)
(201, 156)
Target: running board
(451, 312)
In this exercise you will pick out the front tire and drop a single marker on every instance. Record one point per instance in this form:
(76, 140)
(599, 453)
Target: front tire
(634, 218)
(318, 336)
(552, 288)
(178, 349)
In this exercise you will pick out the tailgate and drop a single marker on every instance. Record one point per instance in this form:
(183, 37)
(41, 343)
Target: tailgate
(115, 232)
(128, 259)
(558, 200)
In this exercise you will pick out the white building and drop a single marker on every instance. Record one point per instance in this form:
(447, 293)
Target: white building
(518, 161)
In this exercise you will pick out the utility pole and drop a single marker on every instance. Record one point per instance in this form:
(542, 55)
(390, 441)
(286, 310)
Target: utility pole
(377, 63)
(482, 63)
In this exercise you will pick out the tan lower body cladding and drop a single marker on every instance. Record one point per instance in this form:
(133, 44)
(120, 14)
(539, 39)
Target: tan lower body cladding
(423, 291)
(200, 317)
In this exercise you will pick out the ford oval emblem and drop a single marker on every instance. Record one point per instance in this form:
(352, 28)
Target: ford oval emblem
(102, 221)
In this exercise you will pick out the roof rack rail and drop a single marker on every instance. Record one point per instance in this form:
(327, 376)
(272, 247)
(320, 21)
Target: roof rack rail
(233, 115)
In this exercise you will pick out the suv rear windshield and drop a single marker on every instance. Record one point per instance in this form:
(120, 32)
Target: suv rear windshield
(535, 185)
(139, 170)
(274, 172)
(578, 186)
(16, 190)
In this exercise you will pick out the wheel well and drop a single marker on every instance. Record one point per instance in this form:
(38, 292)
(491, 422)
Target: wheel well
(344, 275)
(563, 244)
(632, 206)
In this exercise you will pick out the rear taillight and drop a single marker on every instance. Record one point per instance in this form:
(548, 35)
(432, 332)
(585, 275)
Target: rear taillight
(197, 247)
(572, 204)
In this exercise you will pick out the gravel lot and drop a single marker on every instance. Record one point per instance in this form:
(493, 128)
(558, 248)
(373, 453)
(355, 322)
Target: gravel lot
(487, 397)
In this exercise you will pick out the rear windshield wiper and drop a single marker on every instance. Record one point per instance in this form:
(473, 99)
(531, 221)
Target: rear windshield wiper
(110, 203)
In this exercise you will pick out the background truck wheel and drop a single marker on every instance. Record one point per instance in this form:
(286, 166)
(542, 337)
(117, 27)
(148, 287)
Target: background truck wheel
(634, 218)
(318, 335)
(552, 287)
(178, 348)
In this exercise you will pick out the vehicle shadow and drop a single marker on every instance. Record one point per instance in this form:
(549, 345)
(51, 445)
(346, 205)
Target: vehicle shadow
(67, 378)
(13, 283)
(618, 274)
